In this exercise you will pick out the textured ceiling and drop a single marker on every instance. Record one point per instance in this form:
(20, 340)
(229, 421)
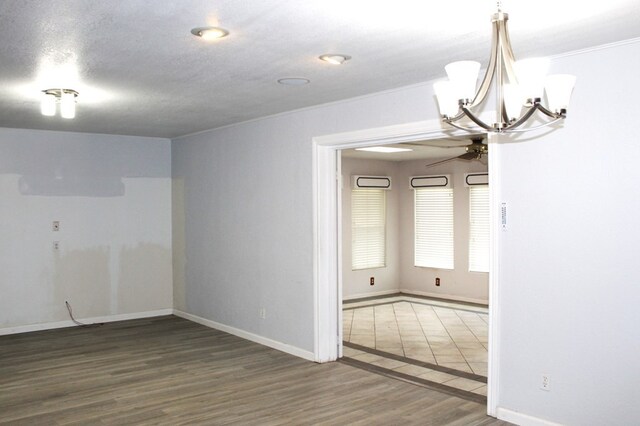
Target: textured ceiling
(139, 71)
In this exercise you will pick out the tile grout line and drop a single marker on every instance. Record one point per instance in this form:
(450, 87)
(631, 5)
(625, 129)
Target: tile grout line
(452, 339)
(351, 324)
(470, 330)
(395, 320)
(375, 334)
(423, 332)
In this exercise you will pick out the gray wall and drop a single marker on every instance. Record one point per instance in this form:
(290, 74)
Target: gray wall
(568, 294)
(112, 196)
(245, 213)
(570, 282)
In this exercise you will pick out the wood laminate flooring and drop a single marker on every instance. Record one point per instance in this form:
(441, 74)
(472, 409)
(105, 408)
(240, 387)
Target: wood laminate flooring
(168, 370)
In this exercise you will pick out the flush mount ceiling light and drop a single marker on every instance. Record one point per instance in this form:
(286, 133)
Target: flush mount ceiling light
(519, 87)
(294, 81)
(335, 58)
(209, 33)
(385, 149)
(65, 97)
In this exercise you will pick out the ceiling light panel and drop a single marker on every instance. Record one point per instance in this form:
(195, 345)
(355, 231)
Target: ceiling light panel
(294, 81)
(385, 149)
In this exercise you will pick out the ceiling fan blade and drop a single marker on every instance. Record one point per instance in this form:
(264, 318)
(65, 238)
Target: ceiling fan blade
(469, 156)
(440, 162)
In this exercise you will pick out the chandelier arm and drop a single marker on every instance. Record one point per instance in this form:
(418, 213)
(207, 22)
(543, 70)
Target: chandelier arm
(476, 120)
(488, 76)
(507, 53)
(524, 117)
(533, 128)
(456, 118)
(550, 113)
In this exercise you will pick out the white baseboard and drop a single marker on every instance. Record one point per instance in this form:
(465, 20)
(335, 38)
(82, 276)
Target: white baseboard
(522, 419)
(445, 296)
(371, 294)
(92, 320)
(293, 350)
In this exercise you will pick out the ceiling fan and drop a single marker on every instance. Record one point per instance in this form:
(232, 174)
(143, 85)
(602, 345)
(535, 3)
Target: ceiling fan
(474, 151)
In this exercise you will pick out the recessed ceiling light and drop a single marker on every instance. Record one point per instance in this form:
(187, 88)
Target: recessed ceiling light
(386, 149)
(294, 81)
(335, 58)
(210, 33)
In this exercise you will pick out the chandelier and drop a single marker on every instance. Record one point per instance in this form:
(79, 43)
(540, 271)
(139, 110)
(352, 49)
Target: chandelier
(65, 97)
(519, 88)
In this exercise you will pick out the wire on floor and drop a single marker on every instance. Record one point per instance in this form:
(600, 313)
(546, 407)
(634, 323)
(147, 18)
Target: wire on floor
(81, 324)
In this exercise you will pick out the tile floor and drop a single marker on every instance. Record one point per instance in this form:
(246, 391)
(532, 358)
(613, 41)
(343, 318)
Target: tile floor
(449, 335)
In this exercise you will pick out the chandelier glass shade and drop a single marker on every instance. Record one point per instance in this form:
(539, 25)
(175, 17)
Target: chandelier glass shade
(519, 85)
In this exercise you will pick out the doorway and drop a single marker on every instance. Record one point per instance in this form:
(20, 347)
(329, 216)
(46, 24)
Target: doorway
(328, 251)
(415, 262)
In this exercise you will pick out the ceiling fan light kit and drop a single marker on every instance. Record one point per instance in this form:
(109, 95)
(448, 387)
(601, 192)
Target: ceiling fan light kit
(519, 86)
(65, 97)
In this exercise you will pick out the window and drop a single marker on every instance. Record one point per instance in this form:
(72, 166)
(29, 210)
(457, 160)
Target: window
(368, 245)
(479, 228)
(434, 227)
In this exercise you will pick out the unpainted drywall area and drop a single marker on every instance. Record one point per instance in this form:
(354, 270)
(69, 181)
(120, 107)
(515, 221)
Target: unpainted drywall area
(111, 196)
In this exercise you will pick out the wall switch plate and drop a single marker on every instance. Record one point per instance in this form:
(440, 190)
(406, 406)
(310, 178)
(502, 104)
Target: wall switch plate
(545, 383)
(56, 225)
(503, 215)
(263, 313)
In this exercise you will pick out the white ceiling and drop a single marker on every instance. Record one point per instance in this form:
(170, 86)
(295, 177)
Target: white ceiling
(139, 70)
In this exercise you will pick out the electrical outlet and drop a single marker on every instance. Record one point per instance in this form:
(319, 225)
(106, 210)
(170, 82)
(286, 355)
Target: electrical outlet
(263, 313)
(545, 383)
(56, 245)
(372, 281)
(437, 282)
(55, 226)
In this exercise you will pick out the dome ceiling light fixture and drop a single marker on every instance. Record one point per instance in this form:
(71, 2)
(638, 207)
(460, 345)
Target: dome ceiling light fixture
(334, 58)
(210, 33)
(65, 97)
(519, 88)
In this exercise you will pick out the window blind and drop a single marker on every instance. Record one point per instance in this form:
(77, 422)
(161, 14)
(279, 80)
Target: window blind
(434, 227)
(368, 230)
(479, 228)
